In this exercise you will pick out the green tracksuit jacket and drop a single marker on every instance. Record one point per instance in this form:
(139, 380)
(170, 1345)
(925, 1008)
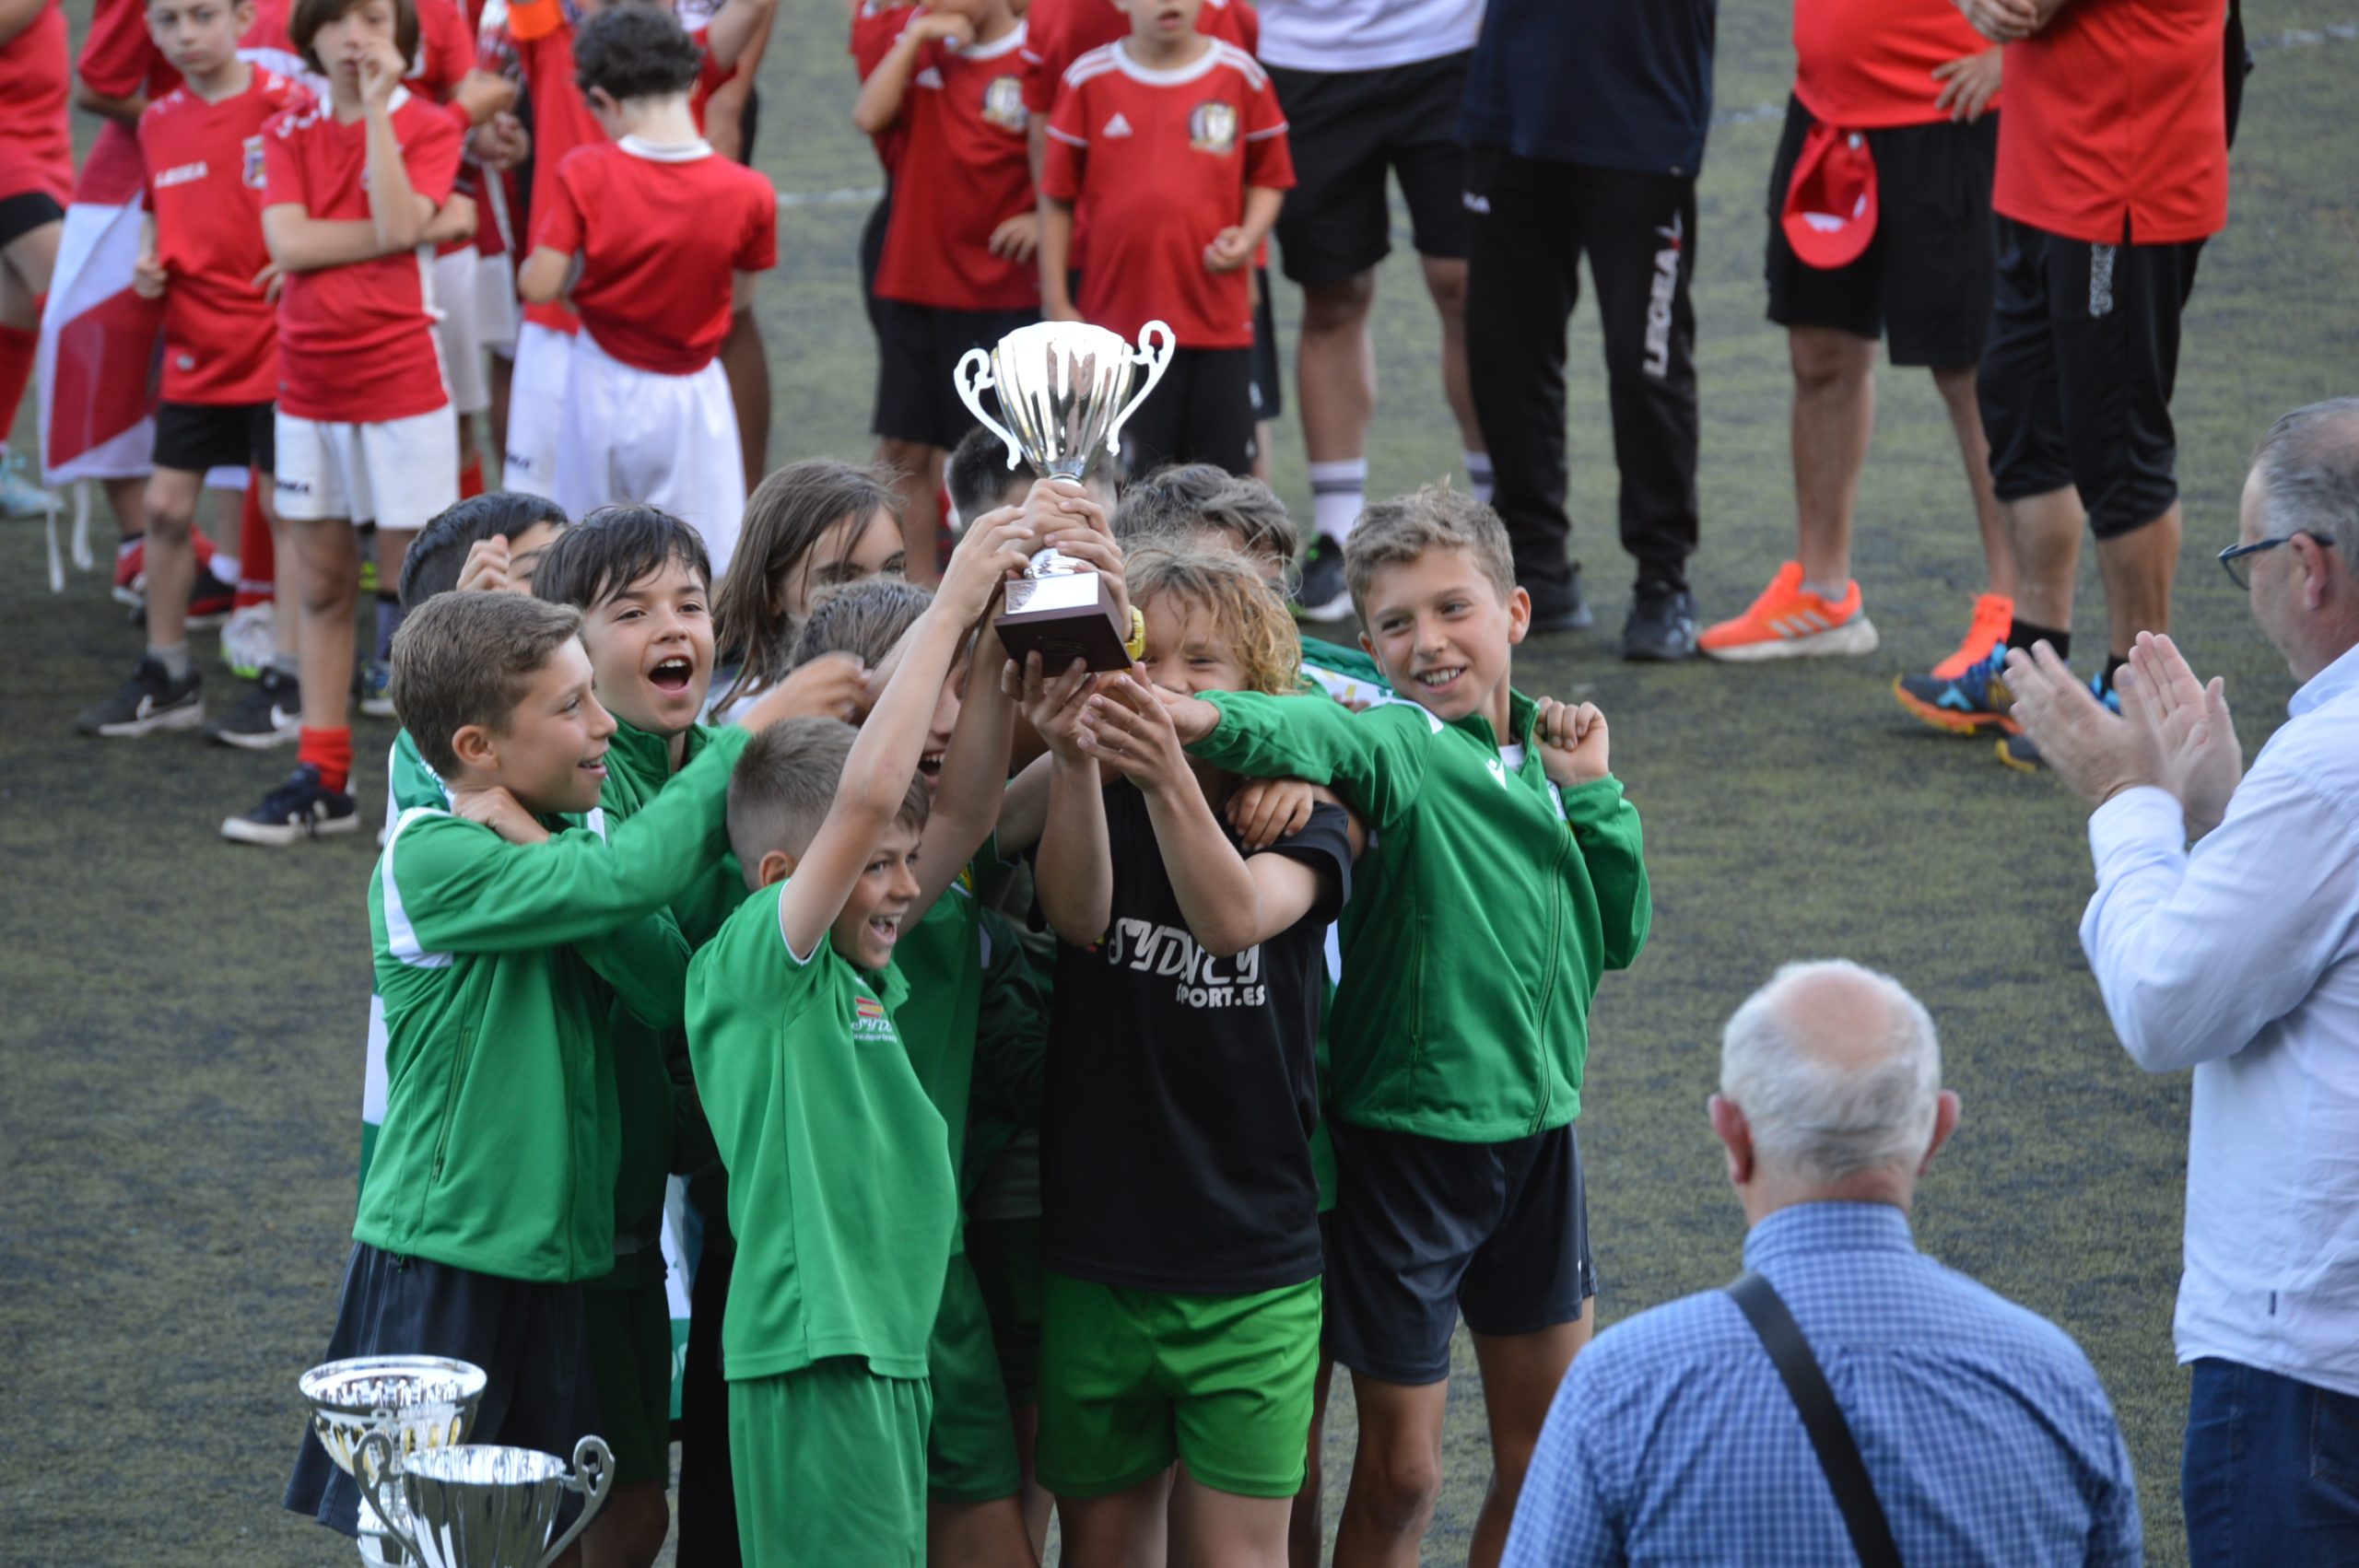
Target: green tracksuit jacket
(498, 966)
(1486, 908)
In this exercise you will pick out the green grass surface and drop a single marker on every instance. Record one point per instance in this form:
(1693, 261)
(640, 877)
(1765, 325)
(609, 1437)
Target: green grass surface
(180, 1044)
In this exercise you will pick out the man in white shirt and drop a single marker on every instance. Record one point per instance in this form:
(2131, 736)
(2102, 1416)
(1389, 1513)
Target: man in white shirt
(2240, 959)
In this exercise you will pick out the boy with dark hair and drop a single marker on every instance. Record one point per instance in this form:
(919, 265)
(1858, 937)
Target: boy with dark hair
(1459, 1038)
(503, 921)
(357, 189)
(1174, 147)
(493, 541)
(979, 479)
(842, 1190)
(201, 249)
(656, 242)
(957, 263)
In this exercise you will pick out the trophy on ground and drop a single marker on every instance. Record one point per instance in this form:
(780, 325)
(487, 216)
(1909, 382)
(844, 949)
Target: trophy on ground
(479, 1505)
(414, 1405)
(1064, 390)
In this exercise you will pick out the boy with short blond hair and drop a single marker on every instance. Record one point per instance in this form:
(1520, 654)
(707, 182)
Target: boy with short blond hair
(1459, 1036)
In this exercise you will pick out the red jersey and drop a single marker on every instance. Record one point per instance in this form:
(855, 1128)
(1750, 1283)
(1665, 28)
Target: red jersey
(561, 122)
(966, 170)
(875, 29)
(36, 144)
(1160, 161)
(1058, 32)
(205, 186)
(120, 60)
(660, 232)
(356, 344)
(2117, 123)
(1867, 65)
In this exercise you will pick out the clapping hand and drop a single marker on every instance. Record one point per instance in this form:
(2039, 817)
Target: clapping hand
(2203, 761)
(2095, 750)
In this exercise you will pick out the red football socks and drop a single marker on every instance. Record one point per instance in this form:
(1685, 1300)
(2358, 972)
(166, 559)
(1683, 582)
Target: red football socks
(18, 347)
(257, 565)
(330, 751)
(470, 477)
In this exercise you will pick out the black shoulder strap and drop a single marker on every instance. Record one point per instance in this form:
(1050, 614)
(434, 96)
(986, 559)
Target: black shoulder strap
(1830, 1434)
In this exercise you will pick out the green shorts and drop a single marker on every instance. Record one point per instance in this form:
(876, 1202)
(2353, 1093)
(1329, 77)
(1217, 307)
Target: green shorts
(630, 1363)
(829, 1466)
(970, 1445)
(1130, 1380)
(1006, 1256)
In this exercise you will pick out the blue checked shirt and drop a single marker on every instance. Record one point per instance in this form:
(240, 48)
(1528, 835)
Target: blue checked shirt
(1983, 1426)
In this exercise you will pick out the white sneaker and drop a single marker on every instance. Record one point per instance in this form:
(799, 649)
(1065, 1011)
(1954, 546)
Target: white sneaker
(248, 639)
(21, 492)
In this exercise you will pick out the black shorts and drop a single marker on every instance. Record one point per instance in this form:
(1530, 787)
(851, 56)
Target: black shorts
(1423, 1230)
(26, 211)
(1923, 283)
(708, 1504)
(1202, 410)
(195, 437)
(918, 347)
(2075, 382)
(1269, 396)
(1345, 129)
(531, 1338)
(872, 256)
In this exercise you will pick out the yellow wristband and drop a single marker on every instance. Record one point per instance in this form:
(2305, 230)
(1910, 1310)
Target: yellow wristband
(1135, 644)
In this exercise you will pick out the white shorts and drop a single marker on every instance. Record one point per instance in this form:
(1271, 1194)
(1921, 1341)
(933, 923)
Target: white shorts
(398, 474)
(535, 410)
(669, 441)
(459, 333)
(495, 312)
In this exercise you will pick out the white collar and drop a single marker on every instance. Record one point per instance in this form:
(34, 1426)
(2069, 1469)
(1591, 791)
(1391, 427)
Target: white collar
(665, 152)
(2340, 676)
(1173, 77)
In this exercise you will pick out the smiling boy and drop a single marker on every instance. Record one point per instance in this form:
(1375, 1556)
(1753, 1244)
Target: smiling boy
(1504, 875)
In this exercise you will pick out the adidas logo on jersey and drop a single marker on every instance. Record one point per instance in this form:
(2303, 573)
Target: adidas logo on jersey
(1117, 126)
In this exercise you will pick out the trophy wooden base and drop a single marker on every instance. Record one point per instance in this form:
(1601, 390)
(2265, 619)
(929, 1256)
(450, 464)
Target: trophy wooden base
(1069, 616)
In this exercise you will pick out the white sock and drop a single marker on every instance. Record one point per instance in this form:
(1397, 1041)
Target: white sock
(1480, 478)
(1338, 495)
(174, 659)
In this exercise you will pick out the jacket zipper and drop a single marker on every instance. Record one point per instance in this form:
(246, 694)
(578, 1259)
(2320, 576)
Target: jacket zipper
(1555, 959)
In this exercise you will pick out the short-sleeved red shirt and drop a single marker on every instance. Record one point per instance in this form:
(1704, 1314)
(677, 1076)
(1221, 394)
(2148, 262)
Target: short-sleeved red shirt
(1160, 160)
(966, 169)
(120, 60)
(1868, 64)
(356, 344)
(875, 29)
(660, 232)
(2117, 123)
(36, 144)
(1058, 32)
(204, 187)
(561, 122)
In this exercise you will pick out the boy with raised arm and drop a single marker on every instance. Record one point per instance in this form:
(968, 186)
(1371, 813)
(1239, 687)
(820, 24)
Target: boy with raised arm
(1504, 875)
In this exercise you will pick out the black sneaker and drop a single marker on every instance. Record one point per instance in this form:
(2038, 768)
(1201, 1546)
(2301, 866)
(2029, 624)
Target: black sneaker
(1662, 628)
(1322, 594)
(301, 808)
(1560, 609)
(209, 599)
(149, 700)
(270, 714)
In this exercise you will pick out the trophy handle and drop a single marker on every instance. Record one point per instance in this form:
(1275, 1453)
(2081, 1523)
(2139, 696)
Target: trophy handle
(1155, 363)
(373, 1467)
(973, 374)
(593, 1476)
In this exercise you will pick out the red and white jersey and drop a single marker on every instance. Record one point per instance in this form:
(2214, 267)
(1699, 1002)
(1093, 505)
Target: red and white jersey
(120, 60)
(661, 231)
(36, 144)
(1159, 162)
(966, 169)
(204, 187)
(875, 29)
(356, 344)
(1058, 32)
(1868, 64)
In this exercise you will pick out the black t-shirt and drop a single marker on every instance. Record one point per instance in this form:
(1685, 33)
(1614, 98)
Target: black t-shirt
(1620, 83)
(1175, 1155)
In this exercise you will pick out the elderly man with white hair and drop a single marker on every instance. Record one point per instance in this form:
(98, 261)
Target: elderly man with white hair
(2239, 958)
(1954, 1426)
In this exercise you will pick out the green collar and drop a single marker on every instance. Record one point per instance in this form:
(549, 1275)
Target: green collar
(1522, 712)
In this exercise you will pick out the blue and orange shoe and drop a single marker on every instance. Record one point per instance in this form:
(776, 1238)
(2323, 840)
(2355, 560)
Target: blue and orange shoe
(2021, 753)
(1965, 703)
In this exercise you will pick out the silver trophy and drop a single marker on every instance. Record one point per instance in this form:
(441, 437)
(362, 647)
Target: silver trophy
(414, 1404)
(482, 1506)
(1065, 392)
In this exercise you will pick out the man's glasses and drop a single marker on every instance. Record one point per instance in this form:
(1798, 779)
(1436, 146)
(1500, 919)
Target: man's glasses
(2234, 554)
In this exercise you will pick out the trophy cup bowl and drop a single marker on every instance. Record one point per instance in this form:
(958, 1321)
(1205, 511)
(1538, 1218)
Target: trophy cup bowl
(1064, 394)
(478, 1505)
(415, 1404)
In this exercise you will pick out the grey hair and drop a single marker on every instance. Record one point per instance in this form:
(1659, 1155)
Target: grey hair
(2308, 465)
(1868, 1103)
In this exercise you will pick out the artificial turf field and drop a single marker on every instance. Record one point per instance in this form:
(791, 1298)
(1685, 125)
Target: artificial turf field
(182, 1021)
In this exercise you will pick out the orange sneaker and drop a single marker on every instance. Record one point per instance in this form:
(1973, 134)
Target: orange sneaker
(1994, 618)
(1788, 622)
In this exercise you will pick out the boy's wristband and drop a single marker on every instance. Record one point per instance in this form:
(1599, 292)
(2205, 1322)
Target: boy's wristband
(1135, 644)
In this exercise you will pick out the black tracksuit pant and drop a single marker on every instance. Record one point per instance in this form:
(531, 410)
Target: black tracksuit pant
(1531, 220)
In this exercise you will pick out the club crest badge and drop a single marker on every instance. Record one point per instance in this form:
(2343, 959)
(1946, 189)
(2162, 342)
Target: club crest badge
(1004, 103)
(252, 171)
(1212, 127)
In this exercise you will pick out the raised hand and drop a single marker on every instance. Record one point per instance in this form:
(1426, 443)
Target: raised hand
(833, 685)
(993, 550)
(1126, 729)
(2096, 752)
(1051, 704)
(2202, 760)
(1572, 742)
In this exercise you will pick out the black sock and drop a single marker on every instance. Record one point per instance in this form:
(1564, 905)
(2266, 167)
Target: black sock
(2113, 664)
(2022, 634)
(389, 621)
